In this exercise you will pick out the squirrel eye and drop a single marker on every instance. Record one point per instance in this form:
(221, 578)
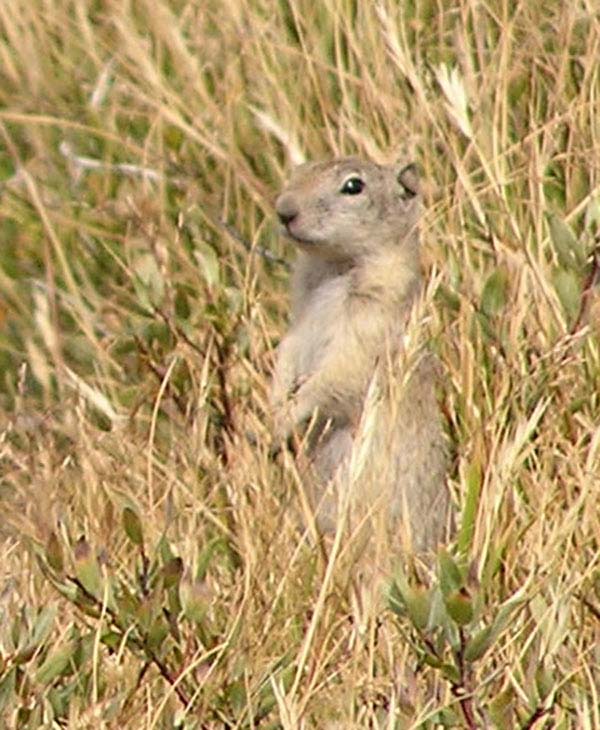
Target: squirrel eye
(352, 186)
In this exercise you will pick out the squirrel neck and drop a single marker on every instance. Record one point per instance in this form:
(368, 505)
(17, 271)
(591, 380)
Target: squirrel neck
(391, 274)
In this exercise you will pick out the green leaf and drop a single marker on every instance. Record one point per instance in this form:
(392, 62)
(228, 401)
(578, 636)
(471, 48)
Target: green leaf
(54, 553)
(164, 550)
(438, 615)
(446, 718)
(501, 709)
(569, 288)
(419, 607)
(7, 687)
(127, 604)
(469, 513)
(285, 674)
(493, 296)
(405, 600)
(209, 263)
(148, 281)
(235, 695)
(432, 660)
(56, 663)
(87, 569)
(60, 697)
(482, 641)
(235, 300)
(451, 579)
(398, 592)
(448, 298)
(460, 607)
(450, 672)
(43, 625)
(569, 252)
(173, 136)
(544, 682)
(112, 639)
(505, 614)
(38, 635)
(148, 611)
(157, 634)
(591, 220)
(395, 600)
(68, 590)
(206, 556)
(479, 644)
(172, 572)
(182, 305)
(133, 526)
(195, 599)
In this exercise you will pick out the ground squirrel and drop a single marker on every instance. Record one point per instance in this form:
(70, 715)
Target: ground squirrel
(355, 281)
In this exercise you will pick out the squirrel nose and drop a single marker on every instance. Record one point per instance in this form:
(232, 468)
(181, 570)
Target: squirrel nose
(286, 209)
(286, 218)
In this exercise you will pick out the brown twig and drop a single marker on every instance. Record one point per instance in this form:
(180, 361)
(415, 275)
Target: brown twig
(159, 374)
(591, 608)
(222, 354)
(166, 673)
(591, 282)
(222, 351)
(232, 231)
(466, 705)
(536, 715)
(460, 689)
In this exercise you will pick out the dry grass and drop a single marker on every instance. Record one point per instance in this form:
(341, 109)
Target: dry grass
(142, 145)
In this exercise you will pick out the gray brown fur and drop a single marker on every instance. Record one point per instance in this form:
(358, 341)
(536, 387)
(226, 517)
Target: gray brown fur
(355, 281)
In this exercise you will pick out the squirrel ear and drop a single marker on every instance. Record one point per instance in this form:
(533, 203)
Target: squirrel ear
(408, 179)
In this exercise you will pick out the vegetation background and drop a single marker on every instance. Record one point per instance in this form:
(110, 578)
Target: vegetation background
(151, 574)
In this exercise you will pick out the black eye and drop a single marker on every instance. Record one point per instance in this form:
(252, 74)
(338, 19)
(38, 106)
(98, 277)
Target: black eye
(353, 186)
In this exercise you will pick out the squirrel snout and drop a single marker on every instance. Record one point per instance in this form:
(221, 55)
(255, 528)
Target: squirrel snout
(286, 209)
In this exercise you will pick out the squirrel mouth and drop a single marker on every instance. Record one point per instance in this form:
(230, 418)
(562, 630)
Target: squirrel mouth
(290, 233)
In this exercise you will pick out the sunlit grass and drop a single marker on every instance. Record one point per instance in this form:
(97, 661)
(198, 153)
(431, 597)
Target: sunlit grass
(142, 291)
